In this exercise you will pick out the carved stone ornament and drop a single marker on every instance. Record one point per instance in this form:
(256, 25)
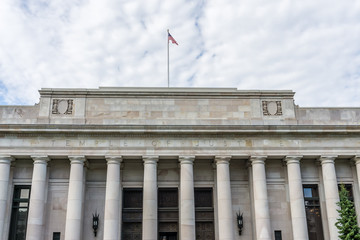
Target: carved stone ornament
(272, 108)
(62, 106)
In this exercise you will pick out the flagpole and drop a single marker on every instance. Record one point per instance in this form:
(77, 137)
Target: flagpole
(168, 72)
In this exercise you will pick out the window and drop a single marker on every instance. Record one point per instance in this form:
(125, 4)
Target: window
(56, 236)
(132, 213)
(204, 214)
(313, 213)
(168, 213)
(278, 235)
(19, 213)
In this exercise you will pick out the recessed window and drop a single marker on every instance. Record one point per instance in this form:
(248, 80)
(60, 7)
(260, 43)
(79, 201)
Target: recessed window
(19, 213)
(278, 235)
(56, 236)
(313, 212)
(132, 213)
(204, 214)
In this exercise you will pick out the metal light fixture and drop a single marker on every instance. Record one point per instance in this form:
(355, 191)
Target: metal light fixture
(240, 222)
(95, 223)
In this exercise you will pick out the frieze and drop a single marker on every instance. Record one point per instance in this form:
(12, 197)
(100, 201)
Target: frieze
(173, 143)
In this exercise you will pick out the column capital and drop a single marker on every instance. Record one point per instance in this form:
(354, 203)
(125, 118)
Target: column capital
(356, 159)
(6, 159)
(257, 159)
(40, 159)
(78, 159)
(292, 159)
(186, 159)
(150, 159)
(114, 159)
(327, 159)
(222, 159)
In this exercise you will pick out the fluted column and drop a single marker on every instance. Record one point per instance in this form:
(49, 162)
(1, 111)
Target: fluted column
(5, 162)
(112, 222)
(331, 193)
(261, 203)
(36, 217)
(297, 205)
(187, 207)
(225, 215)
(150, 218)
(74, 212)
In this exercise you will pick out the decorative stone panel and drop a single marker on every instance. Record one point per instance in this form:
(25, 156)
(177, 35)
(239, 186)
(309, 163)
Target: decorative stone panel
(62, 106)
(272, 108)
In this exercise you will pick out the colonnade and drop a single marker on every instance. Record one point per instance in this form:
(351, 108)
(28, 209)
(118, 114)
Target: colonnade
(112, 218)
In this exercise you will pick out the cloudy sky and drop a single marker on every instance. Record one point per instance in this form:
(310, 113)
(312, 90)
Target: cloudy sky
(310, 46)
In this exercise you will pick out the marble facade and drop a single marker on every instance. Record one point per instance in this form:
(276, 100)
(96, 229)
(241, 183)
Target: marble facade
(79, 149)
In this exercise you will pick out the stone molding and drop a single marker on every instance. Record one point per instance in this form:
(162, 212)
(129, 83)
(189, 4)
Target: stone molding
(150, 159)
(139, 130)
(77, 159)
(293, 159)
(222, 160)
(257, 159)
(327, 159)
(130, 92)
(40, 159)
(187, 159)
(114, 159)
(6, 159)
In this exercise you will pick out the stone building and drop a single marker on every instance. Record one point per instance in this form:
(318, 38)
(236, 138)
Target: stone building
(174, 163)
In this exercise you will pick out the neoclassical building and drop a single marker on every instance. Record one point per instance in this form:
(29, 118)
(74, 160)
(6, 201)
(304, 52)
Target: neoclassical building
(174, 163)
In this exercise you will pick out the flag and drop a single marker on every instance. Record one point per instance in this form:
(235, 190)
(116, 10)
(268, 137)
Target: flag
(170, 38)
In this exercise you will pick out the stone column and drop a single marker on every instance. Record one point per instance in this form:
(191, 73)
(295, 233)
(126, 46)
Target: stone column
(356, 159)
(261, 203)
(187, 207)
(150, 209)
(74, 212)
(5, 162)
(357, 163)
(226, 219)
(297, 205)
(112, 218)
(331, 193)
(36, 217)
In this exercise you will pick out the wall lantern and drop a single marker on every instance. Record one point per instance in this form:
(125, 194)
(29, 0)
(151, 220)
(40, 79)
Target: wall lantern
(95, 223)
(240, 222)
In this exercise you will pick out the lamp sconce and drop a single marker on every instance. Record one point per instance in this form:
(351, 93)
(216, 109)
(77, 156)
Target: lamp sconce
(239, 221)
(95, 223)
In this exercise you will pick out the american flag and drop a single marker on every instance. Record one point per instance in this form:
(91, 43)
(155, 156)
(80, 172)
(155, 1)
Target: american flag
(170, 38)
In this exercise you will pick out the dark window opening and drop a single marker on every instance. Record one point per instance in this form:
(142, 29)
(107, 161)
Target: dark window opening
(132, 213)
(56, 236)
(278, 235)
(168, 213)
(313, 212)
(204, 214)
(19, 213)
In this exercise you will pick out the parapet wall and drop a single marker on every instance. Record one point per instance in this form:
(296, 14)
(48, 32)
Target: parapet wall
(173, 106)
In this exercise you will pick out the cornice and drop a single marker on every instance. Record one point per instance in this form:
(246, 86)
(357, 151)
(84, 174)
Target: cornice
(110, 92)
(177, 129)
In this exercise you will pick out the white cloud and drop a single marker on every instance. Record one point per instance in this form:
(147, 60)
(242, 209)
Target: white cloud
(311, 47)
